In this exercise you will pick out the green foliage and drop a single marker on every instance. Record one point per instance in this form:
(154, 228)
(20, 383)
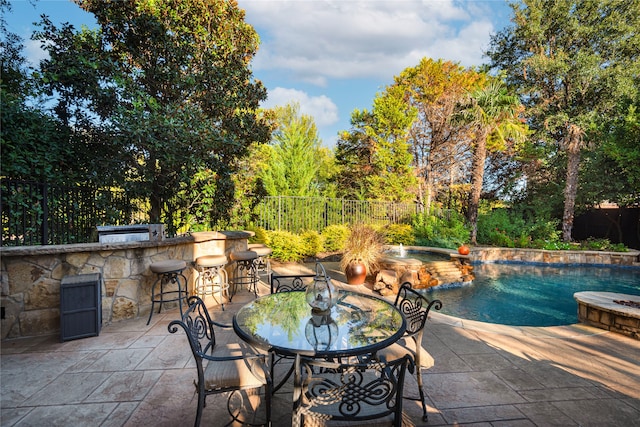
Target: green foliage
(591, 244)
(166, 94)
(432, 89)
(395, 234)
(293, 160)
(492, 112)
(312, 242)
(447, 231)
(374, 155)
(286, 246)
(569, 87)
(35, 146)
(335, 237)
(510, 229)
(613, 173)
(260, 235)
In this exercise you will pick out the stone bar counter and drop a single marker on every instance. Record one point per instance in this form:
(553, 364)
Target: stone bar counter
(31, 275)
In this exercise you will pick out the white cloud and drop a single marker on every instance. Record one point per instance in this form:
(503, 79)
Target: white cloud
(321, 108)
(34, 53)
(320, 40)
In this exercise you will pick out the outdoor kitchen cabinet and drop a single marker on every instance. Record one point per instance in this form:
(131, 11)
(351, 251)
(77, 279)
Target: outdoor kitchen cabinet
(80, 306)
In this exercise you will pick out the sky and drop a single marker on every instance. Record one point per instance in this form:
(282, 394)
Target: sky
(330, 56)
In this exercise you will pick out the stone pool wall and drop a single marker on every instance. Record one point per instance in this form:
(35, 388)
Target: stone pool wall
(610, 311)
(484, 254)
(31, 275)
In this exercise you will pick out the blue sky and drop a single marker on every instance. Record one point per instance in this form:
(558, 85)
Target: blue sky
(331, 56)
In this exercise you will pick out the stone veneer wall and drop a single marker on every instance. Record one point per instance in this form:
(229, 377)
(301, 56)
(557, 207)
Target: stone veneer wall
(482, 254)
(30, 285)
(608, 320)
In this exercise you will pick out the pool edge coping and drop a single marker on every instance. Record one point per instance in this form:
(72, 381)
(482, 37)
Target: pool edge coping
(559, 331)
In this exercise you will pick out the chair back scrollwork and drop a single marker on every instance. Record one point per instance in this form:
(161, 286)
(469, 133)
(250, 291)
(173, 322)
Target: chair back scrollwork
(415, 308)
(289, 283)
(349, 392)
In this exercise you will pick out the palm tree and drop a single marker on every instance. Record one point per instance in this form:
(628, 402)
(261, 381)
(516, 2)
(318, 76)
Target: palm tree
(492, 115)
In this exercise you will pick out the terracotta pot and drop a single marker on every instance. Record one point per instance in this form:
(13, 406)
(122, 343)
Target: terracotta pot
(356, 273)
(463, 250)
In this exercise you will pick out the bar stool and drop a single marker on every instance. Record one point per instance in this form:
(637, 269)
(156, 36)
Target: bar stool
(263, 265)
(169, 272)
(212, 277)
(245, 271)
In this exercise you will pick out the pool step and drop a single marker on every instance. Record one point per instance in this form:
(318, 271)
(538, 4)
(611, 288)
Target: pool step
(444, 271)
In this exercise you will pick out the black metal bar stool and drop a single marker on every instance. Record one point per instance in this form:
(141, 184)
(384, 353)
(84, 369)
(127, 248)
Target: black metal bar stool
(245, 272)
(212, 277)
(169, 272)
(263, 265)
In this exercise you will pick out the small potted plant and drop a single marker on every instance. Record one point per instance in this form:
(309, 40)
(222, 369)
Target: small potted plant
(362, 252)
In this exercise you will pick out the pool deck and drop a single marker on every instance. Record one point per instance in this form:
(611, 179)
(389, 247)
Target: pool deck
(484, 375)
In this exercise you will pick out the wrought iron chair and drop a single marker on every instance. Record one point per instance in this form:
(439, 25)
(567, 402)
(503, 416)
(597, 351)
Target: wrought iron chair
(415, 308)
(350, 393)
(286, 283)
(221, 368)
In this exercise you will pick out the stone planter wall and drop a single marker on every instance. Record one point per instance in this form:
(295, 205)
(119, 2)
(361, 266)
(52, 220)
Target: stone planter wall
(482, 254)
(30, 292)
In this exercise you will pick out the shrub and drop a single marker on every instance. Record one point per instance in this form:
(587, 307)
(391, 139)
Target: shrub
(396, 234)
(260, 235)
(312, 242)
(594, 244)
(335, 237)
(285, 246)
(440, 232)
(509, 228)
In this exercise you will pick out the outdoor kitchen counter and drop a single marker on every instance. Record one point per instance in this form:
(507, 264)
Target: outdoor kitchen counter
(199, 238)
(31, 276)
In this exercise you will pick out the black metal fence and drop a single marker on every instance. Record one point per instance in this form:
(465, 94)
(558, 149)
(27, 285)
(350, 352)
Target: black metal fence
(43, 214)
(295, 214)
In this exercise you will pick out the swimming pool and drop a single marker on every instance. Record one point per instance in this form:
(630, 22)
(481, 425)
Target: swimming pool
(531, 295)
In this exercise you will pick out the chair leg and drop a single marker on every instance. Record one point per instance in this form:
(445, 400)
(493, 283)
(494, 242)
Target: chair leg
(201, 403)
(267, 400)
(153, 299)
(425, 416)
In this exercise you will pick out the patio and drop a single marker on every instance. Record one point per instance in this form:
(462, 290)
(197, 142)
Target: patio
(486, 375)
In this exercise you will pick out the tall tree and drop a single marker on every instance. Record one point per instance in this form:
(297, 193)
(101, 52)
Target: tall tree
(35, 145)
(572, 61)
(167, 83)
(493, 115)
(433, 88)
(394, 178)
(354, 155)
(612, 173)
(374, 155)
(293, 155)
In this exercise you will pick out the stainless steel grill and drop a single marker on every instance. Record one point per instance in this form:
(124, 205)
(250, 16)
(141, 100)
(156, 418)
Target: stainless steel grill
(130, 233)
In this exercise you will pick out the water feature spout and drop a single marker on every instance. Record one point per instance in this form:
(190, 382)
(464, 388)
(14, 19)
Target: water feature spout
(401, 251)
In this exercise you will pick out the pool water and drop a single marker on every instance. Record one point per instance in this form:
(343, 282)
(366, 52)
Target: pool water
(531, 295)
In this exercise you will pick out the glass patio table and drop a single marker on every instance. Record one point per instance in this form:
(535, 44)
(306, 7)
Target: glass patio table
(284, 323)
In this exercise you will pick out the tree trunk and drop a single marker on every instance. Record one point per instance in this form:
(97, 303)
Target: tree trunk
(571, 186)
(477, 175)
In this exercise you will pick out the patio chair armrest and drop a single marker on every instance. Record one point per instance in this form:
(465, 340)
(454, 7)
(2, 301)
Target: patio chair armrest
(239, 357)
(222, 325)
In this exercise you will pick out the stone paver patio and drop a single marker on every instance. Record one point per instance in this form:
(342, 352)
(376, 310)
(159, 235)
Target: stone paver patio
(484, 375)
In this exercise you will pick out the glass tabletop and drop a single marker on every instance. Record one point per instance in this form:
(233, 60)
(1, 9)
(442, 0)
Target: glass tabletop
(284, 322)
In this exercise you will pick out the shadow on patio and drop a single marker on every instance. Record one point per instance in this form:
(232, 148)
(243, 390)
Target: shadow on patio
(138, 375)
